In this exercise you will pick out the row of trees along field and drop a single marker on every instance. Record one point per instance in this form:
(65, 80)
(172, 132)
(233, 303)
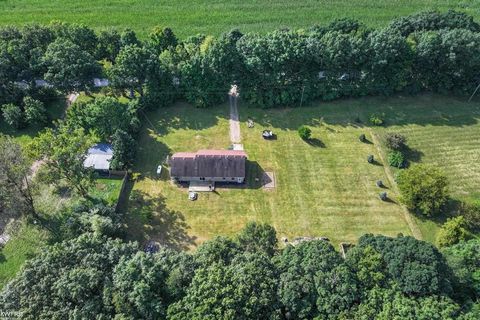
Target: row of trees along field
(430, 51)
(94, 274)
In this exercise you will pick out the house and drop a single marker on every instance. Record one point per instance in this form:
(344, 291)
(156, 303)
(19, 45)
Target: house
(99, 157)
(209, 165)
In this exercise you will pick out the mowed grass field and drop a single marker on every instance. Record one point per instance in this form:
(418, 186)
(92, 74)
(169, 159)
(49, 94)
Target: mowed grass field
(190, 17)
(325, 188)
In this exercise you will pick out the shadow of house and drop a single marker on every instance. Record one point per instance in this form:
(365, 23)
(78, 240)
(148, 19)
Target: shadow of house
(149, 219)
(423, 109)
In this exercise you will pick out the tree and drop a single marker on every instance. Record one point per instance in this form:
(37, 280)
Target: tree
(108, 46)
(257, 237)
(104, 116)
(219, 250)
(64, 151)
(71, 279)
(423, 189)
(123, 150)
(299, 266)
(396, 159)
(417, 268)
(337, 291)
(79, 34)
(161, 39)
(395, 141)
(245, 289)
(305, 132)
(464, 259)
(13, 115)
(452, 232)
(368, 265)
(139, 288)
(69, 68)
(130, 70)
(35, 111)
(16, 194)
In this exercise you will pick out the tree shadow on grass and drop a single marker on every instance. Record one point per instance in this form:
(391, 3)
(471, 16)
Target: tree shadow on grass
(314, 142)
(422, 109)
(412, 155)
(149, 219)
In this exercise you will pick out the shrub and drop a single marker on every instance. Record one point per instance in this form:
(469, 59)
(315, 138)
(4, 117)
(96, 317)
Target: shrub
(396, 159)
(13, 115)
(383, 196)
(377, 119)
(395, 141)
(471, 212)
(452, 232)
(35, 112)
(304, 132)
(423, 189)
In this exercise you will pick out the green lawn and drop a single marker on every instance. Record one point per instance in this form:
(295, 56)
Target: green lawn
(326, 188)
(189, 17)
(55, 110)
(24, 244)
(107, 189)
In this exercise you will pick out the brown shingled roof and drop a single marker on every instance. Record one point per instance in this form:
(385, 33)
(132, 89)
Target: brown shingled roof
(209, 163)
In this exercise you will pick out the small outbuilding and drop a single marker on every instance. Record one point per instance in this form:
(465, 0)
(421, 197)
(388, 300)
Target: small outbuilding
(99, 157)
(209, 166)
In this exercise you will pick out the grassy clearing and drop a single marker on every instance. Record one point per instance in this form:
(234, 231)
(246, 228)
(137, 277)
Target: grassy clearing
(25, 243)
(325, 188)
(55, 111)
(214, 16)
(107, 189)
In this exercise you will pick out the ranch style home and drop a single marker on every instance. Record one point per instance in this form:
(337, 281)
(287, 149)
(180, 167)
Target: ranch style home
(209, 166)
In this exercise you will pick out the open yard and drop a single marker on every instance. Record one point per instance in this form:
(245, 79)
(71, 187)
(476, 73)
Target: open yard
(325, 188)
(190, 17)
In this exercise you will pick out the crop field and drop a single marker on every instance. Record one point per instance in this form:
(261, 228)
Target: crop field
(325, 188)
(190, 17)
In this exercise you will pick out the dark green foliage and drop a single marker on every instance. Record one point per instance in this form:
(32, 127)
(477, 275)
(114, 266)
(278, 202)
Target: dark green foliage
(130, 69)
(396, 159)
(416, 267)
(91, 216)
(395, 141)
(470, 210)
(35, 111)
(464, 259)
(304, 132)
(452, 232)
(298, 267)
(78, 34)
(220, 250)
(104, 116)
(368, 266)
(377, 119)
(244, 289)
(433, 20)
(67, 281)
(161, 39)
(258, 237)
(124, 147)
(69, 68)
(108, 46)
(423, 188)
(13, 115)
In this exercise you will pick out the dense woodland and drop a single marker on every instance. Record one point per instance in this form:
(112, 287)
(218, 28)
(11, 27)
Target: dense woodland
(92, 272)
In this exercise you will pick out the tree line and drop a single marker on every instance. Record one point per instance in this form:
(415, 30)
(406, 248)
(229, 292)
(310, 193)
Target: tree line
(94, 274)
(428, 51)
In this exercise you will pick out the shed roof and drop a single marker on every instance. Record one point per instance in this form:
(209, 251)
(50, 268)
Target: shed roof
(99, 157)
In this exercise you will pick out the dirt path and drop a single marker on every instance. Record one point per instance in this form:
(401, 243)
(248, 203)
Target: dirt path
(234, 120)
(408, 217)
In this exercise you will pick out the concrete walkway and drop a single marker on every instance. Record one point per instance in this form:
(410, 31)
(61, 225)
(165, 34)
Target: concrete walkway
(234, 119)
